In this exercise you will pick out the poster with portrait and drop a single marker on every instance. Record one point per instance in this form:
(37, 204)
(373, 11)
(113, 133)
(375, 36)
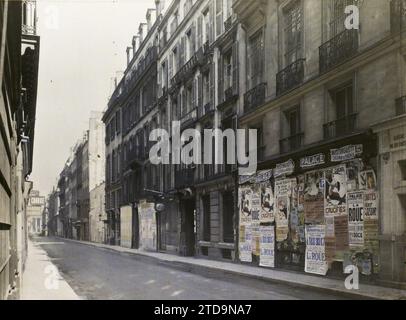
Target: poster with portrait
(267, 214)
(314, 197)
(244, 204)
(367, 180)
(315, 262)
(356, 219)
(354, 167)
(283, 191)
(267, 256)
(335, 191)
(245, 243)
(255, 205)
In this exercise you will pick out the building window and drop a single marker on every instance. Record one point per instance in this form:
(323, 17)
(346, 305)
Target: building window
(206, 218)
(206, 89)
(219, 17)
(118, 121)
(228, 71)
(293, 32)
(343, 102)
(338, 16)
(256, 60)
(228, 217)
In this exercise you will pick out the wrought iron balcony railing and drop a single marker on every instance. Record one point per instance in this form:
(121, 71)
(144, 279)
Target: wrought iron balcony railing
(401, 106)
(397, 15)
(189, 118)
(207, 109)
(187, 69)
(255, 97)
(340, 127)
(229, 23)
(290, 77)
(291, 143)
(338, 50)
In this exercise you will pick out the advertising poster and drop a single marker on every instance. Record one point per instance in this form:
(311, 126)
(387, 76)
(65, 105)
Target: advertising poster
(148, 228)
(267, 214)
(330, 240)
(354, 168)
(245, 243)
(316, 262)
(256, 239)
(294, 225)
(244, 205)
(371, 227)
(367, 180)
(336, 191)
(356, 219)
(283, 191)
(314, 197)
(267, 256)
(255, 205)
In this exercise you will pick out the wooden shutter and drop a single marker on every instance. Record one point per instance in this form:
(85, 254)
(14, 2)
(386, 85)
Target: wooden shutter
(235, 63)
(211, 22)
(212, 84)
(200, 32)
(219, 17)
(200, 90)
(220, 75)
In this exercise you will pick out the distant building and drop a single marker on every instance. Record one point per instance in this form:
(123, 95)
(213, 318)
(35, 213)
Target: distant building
(35, 211)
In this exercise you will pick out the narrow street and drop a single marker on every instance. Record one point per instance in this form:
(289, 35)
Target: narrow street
(95, 274)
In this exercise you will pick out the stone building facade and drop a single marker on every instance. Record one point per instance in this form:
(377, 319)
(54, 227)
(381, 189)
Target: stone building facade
(19, 56)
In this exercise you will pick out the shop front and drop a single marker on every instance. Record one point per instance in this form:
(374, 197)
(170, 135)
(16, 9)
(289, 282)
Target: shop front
(316, 210)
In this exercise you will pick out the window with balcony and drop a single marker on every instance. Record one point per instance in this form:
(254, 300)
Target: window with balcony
(342, 108)
(293, 72)
(219, 17)
(292, 132)
(342, 43)
(256, 56)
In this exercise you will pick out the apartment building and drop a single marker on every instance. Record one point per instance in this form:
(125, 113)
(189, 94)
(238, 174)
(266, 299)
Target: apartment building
(19, 56)
(326, 102)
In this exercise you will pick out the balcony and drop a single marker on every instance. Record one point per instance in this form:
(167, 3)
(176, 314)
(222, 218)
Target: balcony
(397, 15)
(290, 77)
(401, 106)
(228, 24)
(184, 178)
(187, 70)
(291, 143)
(136, 156)
(338, 50)
(189, 118)
(255, 97)
(340, 127)
(205, 110)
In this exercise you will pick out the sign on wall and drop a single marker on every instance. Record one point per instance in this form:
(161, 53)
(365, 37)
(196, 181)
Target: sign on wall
(336, 191)
(356, 219)
(267, 256)
(315, 262)
(314, 197)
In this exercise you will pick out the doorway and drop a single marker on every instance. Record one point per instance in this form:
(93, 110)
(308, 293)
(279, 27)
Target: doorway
(189, 207)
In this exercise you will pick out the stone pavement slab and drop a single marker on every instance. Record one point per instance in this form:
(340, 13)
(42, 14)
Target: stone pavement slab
(41, 279)
(366, 291)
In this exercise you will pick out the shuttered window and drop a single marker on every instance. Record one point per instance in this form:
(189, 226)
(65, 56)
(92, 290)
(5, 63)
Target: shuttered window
(293, 32)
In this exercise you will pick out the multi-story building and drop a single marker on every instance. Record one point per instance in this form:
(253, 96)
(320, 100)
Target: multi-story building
(54, 217)
(97, 216)
(19, 56)
(35, 211)
(324, 96)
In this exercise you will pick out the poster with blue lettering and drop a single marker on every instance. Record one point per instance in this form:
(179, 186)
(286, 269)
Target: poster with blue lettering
(316, 262)
(245, 243)
(267, 256)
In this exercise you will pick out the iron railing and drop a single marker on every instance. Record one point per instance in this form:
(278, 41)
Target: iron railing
(189, 118)
(255, 97)
(401, 106)
(338, 50)
(290, 77)
(208, 108)
(291, 143)
(340, 127)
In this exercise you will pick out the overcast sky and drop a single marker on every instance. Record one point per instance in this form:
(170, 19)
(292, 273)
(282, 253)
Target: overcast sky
(83, 44)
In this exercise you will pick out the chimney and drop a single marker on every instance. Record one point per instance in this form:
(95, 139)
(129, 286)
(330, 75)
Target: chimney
(141, 32)
(159, 4)
(128, 55)
(150, 20)
(136, 43)
(115, 82)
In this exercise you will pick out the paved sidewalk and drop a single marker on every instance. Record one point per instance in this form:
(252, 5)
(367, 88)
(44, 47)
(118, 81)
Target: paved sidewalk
(38, 275)
(293, 279)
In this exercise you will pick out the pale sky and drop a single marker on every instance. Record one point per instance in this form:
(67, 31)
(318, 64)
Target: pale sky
(83, 44)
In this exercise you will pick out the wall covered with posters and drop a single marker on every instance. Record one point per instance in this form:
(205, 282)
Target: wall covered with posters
(327, 214)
